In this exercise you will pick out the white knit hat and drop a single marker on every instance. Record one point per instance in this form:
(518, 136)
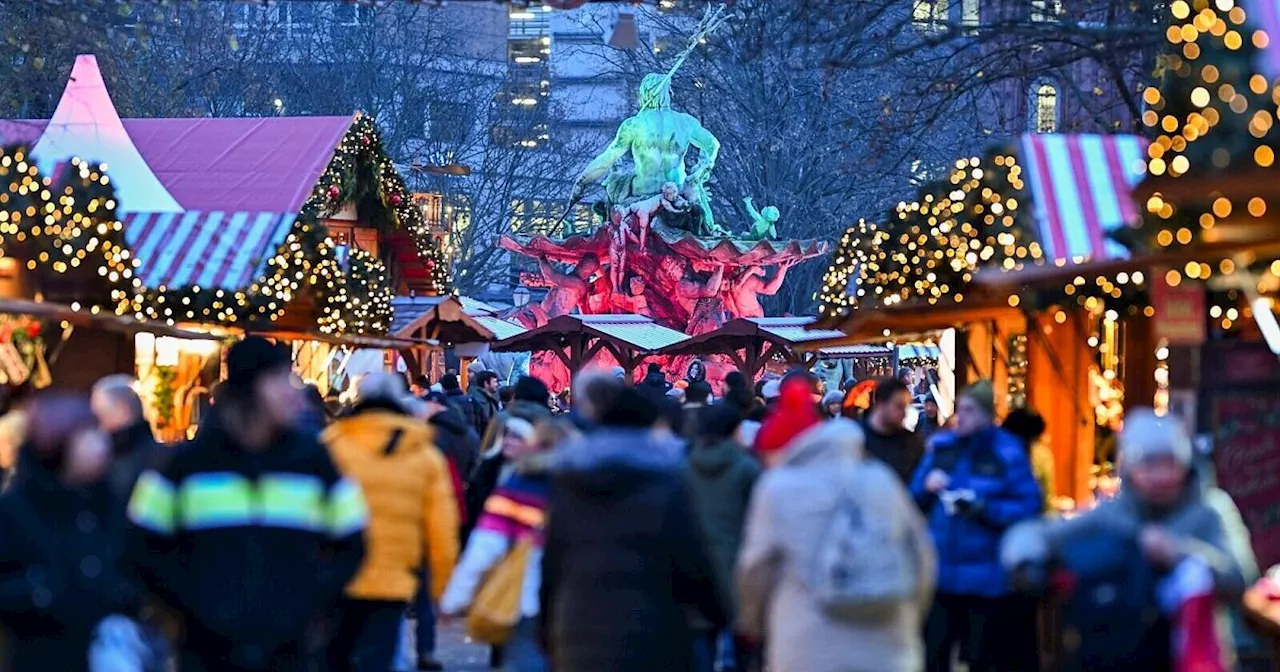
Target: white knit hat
(1147, 435)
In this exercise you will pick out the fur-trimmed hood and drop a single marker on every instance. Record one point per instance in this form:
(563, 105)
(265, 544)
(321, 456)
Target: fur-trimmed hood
(612, 462)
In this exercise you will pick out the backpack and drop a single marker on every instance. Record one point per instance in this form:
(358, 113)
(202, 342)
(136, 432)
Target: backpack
(866, 562)
(1111, 619)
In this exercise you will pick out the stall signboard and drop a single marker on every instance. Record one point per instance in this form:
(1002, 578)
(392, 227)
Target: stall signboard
(1247, 456)
(1180, 312)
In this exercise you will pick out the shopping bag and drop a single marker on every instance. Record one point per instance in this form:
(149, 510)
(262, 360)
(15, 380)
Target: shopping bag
(406, 647)
(1187, 595)
(121, 644)
(496, 609)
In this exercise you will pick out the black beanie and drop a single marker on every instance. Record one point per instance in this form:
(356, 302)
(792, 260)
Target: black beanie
(532, 390)
(249, 360)
(635, 409)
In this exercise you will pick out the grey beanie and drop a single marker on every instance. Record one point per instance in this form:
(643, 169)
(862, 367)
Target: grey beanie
(1147, 435)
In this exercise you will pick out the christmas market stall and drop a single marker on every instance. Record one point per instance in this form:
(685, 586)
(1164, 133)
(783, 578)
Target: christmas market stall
(299, 229)
(756, 344)
(576, 340)
(1044, 201)
(1211, 235)
(459, 326)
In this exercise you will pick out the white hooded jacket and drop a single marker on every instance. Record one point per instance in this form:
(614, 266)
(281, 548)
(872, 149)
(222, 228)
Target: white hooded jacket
(791, 510)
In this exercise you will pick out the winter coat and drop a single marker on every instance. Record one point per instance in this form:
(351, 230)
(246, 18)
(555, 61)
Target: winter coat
(791, 511)
(487, 406)
(133, 450)
(901, 450)
(1196, 525)
(456, 440)
(624, 559)
(60, 569)
(470, 409)
(412, 509)
(654, 386)
(248, 546)
(994, 465)
(515, 511)
(721, 477)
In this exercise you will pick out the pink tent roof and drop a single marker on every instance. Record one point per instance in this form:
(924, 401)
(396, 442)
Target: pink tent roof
(85, 125)
(255, 164)
(252, 164)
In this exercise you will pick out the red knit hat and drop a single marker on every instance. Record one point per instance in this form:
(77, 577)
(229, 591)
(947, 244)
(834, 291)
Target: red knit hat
(793, 414)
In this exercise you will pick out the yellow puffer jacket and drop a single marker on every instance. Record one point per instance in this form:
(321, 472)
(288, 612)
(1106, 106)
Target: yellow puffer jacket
(409, 491)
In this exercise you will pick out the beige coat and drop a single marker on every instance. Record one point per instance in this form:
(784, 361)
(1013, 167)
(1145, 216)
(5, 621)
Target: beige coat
(791, 510)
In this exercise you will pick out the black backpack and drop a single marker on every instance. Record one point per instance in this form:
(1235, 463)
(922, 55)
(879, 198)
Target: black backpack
(1111, 620)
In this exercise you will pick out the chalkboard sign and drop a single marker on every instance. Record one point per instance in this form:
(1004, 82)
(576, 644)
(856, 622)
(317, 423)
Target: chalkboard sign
(1247, 455)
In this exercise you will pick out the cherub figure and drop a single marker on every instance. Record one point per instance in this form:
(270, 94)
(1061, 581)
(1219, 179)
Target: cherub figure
(634, 303)
(763, 221)
(668, 200)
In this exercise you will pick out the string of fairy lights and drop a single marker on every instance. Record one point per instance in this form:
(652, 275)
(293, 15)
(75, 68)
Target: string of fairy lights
(67, 233)
(930, 248)
(64, 229)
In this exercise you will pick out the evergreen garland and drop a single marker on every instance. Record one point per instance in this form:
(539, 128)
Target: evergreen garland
(64, 231)
(929, 249)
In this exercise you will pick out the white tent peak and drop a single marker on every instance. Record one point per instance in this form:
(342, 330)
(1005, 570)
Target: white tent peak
(86, 125)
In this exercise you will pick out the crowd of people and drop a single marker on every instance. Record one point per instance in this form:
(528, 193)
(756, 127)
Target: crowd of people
(620, 527)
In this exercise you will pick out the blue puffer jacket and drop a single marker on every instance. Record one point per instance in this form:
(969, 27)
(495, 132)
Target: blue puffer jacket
(994, 464)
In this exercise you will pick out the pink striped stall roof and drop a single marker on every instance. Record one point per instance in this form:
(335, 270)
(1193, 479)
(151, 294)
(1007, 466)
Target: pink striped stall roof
(214, 249)
(1082, 186)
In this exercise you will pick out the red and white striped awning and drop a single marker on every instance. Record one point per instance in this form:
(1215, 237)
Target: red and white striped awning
(218, 250)
(1082, 187)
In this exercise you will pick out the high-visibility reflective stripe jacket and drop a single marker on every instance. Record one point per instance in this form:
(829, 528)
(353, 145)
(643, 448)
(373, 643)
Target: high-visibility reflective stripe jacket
(247, 545)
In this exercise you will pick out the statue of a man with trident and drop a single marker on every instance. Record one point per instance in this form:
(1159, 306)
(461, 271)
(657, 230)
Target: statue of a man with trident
(657, 139)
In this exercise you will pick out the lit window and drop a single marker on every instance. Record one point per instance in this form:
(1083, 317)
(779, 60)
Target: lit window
(970, 13)
(1046, 108)
(1046, 10)
(930, 15)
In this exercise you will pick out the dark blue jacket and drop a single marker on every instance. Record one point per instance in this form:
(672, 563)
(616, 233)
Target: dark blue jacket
(994, 464)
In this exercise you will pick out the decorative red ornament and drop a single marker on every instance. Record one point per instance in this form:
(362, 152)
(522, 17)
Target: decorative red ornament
(33, 329)
(396, 199)
(430, 264)
(364, 140)
(334, 192)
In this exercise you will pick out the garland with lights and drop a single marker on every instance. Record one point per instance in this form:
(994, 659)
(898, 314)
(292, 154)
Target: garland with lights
(361, 172)
(64, 230)
(930, 248)
(357, 300)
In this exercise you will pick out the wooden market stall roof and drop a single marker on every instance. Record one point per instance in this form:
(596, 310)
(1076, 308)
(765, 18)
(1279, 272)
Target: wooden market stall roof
(750, 342)
(439, 318)
(864, 325)
(576, 339)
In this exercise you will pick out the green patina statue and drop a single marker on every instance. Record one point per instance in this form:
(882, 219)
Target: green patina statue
(762, 221)
(656, 139)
